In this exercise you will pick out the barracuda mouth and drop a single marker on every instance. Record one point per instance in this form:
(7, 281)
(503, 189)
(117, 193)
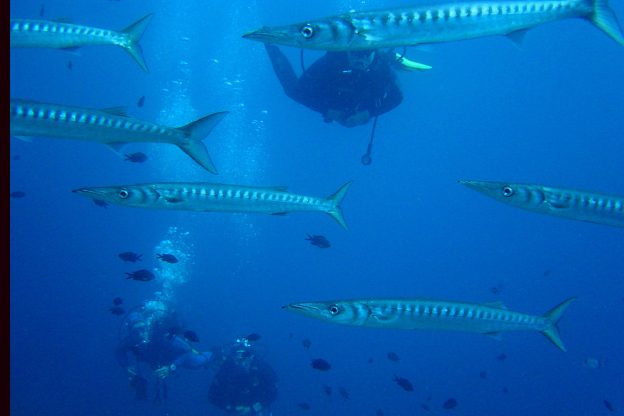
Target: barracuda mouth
(301, 307)
(89, 192)
(268, 35)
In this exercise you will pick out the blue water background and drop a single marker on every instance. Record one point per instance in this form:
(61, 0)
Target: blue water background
(549, 112)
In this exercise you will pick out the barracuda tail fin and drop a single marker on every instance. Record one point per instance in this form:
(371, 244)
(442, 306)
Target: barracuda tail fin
(134, 32)
(553, 316)
(197, 131)
(336, 198)
(604, 18)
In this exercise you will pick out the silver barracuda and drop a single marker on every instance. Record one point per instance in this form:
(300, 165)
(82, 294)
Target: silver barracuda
(566, 203)
(489, 319)
(408, 26)
(110, 126)
(218, 198)
(27, 33)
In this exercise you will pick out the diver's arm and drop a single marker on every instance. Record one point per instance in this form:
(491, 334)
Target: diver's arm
(193, 360)
(284, 71)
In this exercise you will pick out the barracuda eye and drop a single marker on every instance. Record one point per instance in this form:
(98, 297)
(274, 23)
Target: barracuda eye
(307, 31)
(508, 191)
(123, 194)
(334, 309)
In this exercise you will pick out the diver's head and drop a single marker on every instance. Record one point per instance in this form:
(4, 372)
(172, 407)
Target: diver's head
(361, 60)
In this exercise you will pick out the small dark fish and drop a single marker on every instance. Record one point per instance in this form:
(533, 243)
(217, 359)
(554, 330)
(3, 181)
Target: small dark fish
(497, 289)
(483, 374)
(117, 310)
(253, 337)
(16, 157)
(501, 357)
(304, 406)
(404, 383)
(344, 393)
(191, 335)
(18, 194)
(130, 256)
(41, 11)
(117, 301)
(142, 275)
(320, 364)
(393, 356)
(505, 390)
(70, 65)
(449, 404)
(137, 157)
(318, 240)
(547, 273)
(379, 412)
(370, 360)
(306, 343)
(327, 390)
(169, 258)
(425, 406)
(608, 405)
(100, 203)
(141, 101)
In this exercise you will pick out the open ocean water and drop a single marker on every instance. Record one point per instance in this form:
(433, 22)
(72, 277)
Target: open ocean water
(549, 112)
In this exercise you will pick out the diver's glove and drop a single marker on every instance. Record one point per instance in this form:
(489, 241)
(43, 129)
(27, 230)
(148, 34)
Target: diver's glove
(165, 371)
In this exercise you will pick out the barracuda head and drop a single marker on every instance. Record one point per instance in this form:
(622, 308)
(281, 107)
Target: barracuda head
(328, 35)
(336, 312)
(122, 195)
(510, 193)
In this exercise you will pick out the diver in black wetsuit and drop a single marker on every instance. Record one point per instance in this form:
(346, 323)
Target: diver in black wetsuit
(347, 87)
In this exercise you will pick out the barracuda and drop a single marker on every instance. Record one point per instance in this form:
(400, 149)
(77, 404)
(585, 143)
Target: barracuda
(560, 202)
(26, 33)
(435, 23)
(218, 198)
(111, 127)
(433, 314)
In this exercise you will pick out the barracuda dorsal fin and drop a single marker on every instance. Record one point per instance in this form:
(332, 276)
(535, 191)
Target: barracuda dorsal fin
(270, 188)
(496, 304)
(116, 111)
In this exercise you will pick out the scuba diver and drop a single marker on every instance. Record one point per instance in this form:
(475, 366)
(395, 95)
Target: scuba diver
(244, 384)
(350, 88)
(152, 338)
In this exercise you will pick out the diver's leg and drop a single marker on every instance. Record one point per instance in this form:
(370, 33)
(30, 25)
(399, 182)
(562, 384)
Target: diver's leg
(283, 70)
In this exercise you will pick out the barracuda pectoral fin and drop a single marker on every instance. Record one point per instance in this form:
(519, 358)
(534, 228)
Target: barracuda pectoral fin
(367, 35)
(495, 335)
(279, 213)
(173, 200)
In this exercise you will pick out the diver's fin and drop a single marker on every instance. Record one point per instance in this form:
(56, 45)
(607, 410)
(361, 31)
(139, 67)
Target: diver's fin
(603, 17)
(134, 33)
(336, 198)
(553, 316)
(197, 131)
